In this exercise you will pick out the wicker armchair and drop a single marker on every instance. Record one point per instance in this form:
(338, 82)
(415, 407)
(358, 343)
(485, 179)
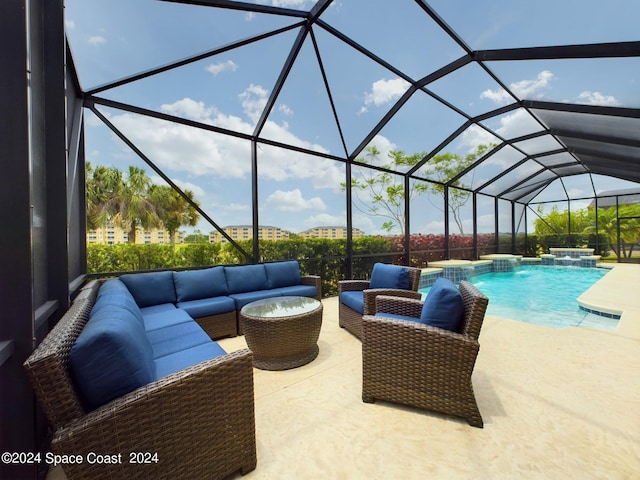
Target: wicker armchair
(422, 366)
(196, 423)
(351, 319)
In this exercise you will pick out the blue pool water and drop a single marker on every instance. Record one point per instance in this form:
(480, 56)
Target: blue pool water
(544, 295)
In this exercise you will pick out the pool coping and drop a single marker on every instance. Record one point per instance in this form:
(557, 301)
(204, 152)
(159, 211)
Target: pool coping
(613, 296)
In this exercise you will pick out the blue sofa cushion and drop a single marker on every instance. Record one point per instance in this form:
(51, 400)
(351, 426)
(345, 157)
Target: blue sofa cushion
(197, 284)
(111, 285)
(175, 338)
(162, 308)
(111, 357)
(119, 299)
(186, 358)
(296, 291)
(389, 276)
(246, 278)
(283, 274)
(155, 320)
(150, 288)
(443, 306)
(354, 300)
(208, 306)
(241, 299)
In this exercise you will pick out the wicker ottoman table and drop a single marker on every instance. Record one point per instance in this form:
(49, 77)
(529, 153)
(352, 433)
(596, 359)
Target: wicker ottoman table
(282, 332)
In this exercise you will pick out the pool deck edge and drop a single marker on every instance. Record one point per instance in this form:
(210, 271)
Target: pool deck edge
(617, 292)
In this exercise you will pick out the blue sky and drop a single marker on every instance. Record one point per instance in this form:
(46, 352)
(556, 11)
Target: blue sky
(114, 39)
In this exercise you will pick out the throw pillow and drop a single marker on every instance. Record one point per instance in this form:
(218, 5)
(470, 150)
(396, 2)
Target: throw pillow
(443, 307)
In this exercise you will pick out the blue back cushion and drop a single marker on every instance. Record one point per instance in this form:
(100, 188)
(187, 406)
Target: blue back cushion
(198, 284)
(389, 276)
(114, 292)
(152, 288)
(246, 278)
(443, 306)
(283, 274)
(111, 357)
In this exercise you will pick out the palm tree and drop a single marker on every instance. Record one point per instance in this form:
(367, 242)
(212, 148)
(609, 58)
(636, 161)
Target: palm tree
(608, 225)
(130, 207)
(102, 184)
(173, 209)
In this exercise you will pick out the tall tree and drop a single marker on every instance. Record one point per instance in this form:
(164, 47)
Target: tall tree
(130, 207)
(629, 227)
(102, 184)
(173, 209)
(445, 166)
(382, 194)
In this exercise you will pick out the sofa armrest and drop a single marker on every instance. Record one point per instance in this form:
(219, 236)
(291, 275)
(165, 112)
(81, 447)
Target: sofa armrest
(352, 285)
(199, 422)
(369, 297)
(314, 281)
(407, 306)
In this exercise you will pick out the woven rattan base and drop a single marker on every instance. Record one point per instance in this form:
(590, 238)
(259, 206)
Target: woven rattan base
(282, 343)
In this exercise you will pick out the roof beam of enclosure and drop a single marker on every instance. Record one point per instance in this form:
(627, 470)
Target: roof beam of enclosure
(329, 94)
(580, 108)
(593, 50)
(284, 73)
(245, 7)
(170, 182)
(89, 101)
(192, 59)
(562, 132)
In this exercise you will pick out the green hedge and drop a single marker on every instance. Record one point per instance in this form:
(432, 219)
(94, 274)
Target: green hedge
(323, 257)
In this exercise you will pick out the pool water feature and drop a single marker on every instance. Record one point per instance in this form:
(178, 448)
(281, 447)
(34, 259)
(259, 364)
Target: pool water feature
(544, 295)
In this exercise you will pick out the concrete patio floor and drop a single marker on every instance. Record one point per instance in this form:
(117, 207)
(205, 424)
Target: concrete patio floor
(557, 403)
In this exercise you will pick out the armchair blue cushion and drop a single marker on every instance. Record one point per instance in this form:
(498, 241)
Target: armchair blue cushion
(389, 276)
(354, 300)
(198, 284)
(150, 288)
(443, 306)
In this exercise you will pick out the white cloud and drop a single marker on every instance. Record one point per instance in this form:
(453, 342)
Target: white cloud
(285, 109)
(474, 136)
(326, 220)
(597, 98)
(293, 201)
(254, 99)
(70, 24)
(198, 192)
(384, 146)
(189, 109)
(385, 91)
(237, 207)
(97, 40)
(524, 89)
(290, 3)
(216, 68)
(198, 152)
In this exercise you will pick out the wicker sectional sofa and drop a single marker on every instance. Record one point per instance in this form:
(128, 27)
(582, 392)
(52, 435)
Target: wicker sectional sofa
(128, 371)
(196, 421)
(214, 296)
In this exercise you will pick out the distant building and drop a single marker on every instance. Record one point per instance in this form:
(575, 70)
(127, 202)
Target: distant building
(331, 233)
(113, 235)
(245, 232)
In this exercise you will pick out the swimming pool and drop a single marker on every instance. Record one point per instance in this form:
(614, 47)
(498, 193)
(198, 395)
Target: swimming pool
(544, 295)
